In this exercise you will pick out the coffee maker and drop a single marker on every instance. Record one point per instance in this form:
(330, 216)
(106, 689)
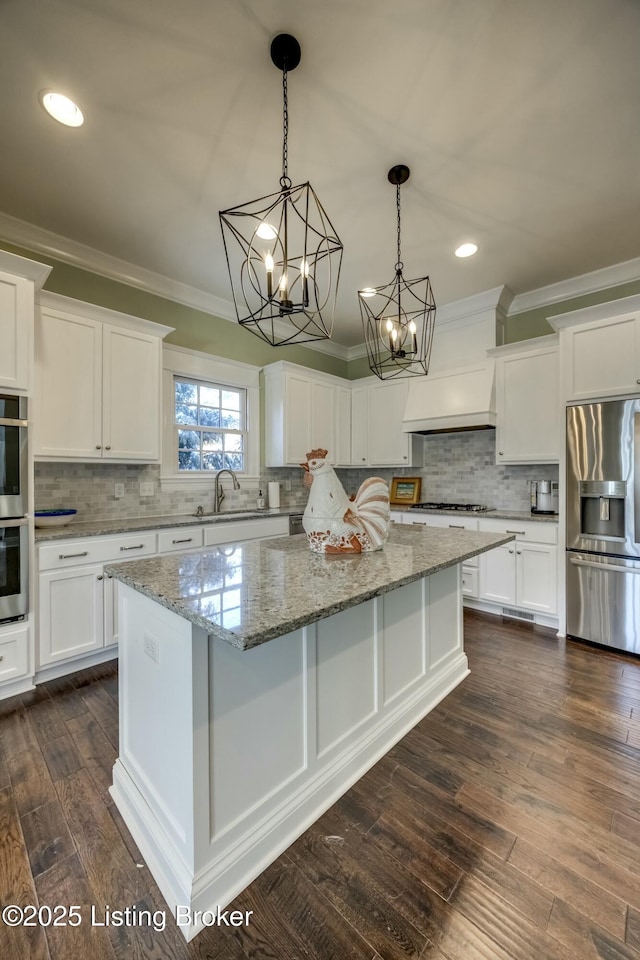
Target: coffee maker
(544, 496)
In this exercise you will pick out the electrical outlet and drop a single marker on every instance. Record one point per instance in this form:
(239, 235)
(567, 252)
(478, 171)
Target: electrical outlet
(287, 486)
(119, 491)
(146, 488)
(152, 648)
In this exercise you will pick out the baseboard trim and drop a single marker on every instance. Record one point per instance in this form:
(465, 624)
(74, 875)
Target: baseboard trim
(54, 670)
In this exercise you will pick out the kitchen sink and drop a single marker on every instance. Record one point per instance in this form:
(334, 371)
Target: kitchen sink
(233, 514)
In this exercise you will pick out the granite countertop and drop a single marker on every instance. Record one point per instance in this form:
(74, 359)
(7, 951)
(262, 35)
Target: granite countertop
(97, 528)
(492, 513)
(256, 591)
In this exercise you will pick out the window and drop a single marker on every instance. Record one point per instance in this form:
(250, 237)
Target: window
(210, 426)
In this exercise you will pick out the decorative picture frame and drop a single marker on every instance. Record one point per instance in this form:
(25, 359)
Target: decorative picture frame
(405, 491)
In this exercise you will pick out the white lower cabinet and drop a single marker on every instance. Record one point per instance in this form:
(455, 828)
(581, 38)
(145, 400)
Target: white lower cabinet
(522, 574)
(14, 653)
(77, 601)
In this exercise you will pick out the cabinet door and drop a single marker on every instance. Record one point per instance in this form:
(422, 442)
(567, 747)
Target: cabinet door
(297, 419)
(536, 577)
(131, 394)
(528, 408)
(360, 426)
(602, 359)
(71, 613)
(388, 445)
(68, 396)
(16, 331)
(343, 426)
(498, 575)
(323, 418)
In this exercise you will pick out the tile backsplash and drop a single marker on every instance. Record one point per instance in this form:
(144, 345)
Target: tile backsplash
(458, 467)
(89, 488)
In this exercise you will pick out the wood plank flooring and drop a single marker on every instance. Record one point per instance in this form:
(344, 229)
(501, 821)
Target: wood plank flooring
(505, 826)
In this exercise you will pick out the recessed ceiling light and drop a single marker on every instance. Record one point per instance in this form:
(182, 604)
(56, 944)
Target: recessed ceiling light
(61, 108)
(466, 250)
(367, 292)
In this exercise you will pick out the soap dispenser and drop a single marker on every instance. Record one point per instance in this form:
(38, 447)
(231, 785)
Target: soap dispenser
(260, 504)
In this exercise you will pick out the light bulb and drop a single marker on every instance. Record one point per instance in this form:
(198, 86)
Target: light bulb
(304, 269)
(268, 262)
(61, 108)
(367, 292)
(394, 334)
(466, 250)
(389, 325)
(412, 327)
(266, 231)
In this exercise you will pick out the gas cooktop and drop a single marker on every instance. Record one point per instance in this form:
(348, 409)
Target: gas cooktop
(464, 507)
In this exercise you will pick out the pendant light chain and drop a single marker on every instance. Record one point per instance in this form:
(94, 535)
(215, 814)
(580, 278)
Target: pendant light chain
(399, 263)
(284, 179)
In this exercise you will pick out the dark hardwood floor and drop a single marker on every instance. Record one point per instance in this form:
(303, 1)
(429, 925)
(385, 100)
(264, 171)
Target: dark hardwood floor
(505, 826)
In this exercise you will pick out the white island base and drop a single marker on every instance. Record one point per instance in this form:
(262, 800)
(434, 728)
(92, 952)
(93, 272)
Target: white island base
(227, 756)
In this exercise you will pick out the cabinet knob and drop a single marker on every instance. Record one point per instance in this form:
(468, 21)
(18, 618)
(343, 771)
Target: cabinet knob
(518, 551)
(500, 453)
(363, 459)
(637, 381)
(510, 551)
(100, 578)
(107, 448)
(1, 659)
(98, 446)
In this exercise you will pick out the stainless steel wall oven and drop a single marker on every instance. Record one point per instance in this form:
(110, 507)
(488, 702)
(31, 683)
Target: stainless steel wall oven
(14, 527)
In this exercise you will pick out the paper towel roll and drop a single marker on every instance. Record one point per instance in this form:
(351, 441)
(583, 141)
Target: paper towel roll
(274, 495)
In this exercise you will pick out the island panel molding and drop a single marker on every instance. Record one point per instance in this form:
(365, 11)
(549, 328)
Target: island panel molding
(229, 752)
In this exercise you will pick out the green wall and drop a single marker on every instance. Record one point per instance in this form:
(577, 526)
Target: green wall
(533, 323)
(193, 328)
(202, 331)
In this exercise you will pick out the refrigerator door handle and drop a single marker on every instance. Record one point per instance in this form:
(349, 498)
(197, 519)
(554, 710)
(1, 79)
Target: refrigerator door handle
(605, 567)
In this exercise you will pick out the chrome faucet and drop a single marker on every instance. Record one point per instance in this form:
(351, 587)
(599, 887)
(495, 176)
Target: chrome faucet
(218, 494)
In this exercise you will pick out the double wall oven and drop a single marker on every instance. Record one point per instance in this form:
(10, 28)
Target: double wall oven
(14, 531)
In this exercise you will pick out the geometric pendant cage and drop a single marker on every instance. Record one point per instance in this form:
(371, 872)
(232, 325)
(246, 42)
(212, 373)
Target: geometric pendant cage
(284, 259)
(398, 318)
(283, 253)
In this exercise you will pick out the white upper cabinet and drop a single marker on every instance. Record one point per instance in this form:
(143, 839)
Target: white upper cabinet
(600, 350)
(528, 412)
(389, 446)
(19, 279)
(360, 426)
(97, 392)
(303, 410)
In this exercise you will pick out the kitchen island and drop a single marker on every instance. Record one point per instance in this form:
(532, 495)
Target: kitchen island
(259, 681)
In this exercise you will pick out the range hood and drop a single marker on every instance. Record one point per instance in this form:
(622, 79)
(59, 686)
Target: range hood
(462, 399)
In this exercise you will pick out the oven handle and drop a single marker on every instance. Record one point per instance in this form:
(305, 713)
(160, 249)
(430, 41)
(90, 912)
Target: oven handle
(605, 567)
(22, 522)
(10, 422)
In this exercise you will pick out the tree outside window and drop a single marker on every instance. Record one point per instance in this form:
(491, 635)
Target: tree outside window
(210, 423)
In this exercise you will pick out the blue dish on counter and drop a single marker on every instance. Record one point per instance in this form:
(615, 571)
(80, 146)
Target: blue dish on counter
(53, 518)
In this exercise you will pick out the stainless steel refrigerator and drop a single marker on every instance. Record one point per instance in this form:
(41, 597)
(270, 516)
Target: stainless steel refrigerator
(603, 523)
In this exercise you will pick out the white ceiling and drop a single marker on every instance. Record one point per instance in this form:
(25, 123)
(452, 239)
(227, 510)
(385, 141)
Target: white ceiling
(520, 121)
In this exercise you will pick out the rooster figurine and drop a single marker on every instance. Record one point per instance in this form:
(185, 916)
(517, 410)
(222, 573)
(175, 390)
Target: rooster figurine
(333, 522)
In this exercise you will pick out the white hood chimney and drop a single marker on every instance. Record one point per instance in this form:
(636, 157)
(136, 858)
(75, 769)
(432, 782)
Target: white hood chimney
(459, 392)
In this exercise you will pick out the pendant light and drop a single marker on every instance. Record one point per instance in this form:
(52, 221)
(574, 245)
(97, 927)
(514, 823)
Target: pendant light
(399, 317)
(283, 254)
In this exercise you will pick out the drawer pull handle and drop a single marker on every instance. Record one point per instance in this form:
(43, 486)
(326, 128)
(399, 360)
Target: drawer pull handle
(68, 556)
(138, 546)
(521, 532)
(188, 540)
(419, 523)
(457, 526)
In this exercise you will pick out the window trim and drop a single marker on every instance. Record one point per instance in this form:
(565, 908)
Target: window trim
(194, 365)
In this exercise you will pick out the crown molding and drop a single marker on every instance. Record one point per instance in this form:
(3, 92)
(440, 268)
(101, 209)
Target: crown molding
(579, 286)
(28, 269)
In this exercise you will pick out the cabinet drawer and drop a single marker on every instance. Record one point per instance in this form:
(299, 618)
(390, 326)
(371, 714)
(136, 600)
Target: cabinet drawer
(183, 538)
(72, 553)
(536, 531)
(14, 653)
(469, 581)
(235, 532)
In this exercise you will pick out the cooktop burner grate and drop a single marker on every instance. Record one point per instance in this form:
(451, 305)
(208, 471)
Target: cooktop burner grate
(463, 507)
